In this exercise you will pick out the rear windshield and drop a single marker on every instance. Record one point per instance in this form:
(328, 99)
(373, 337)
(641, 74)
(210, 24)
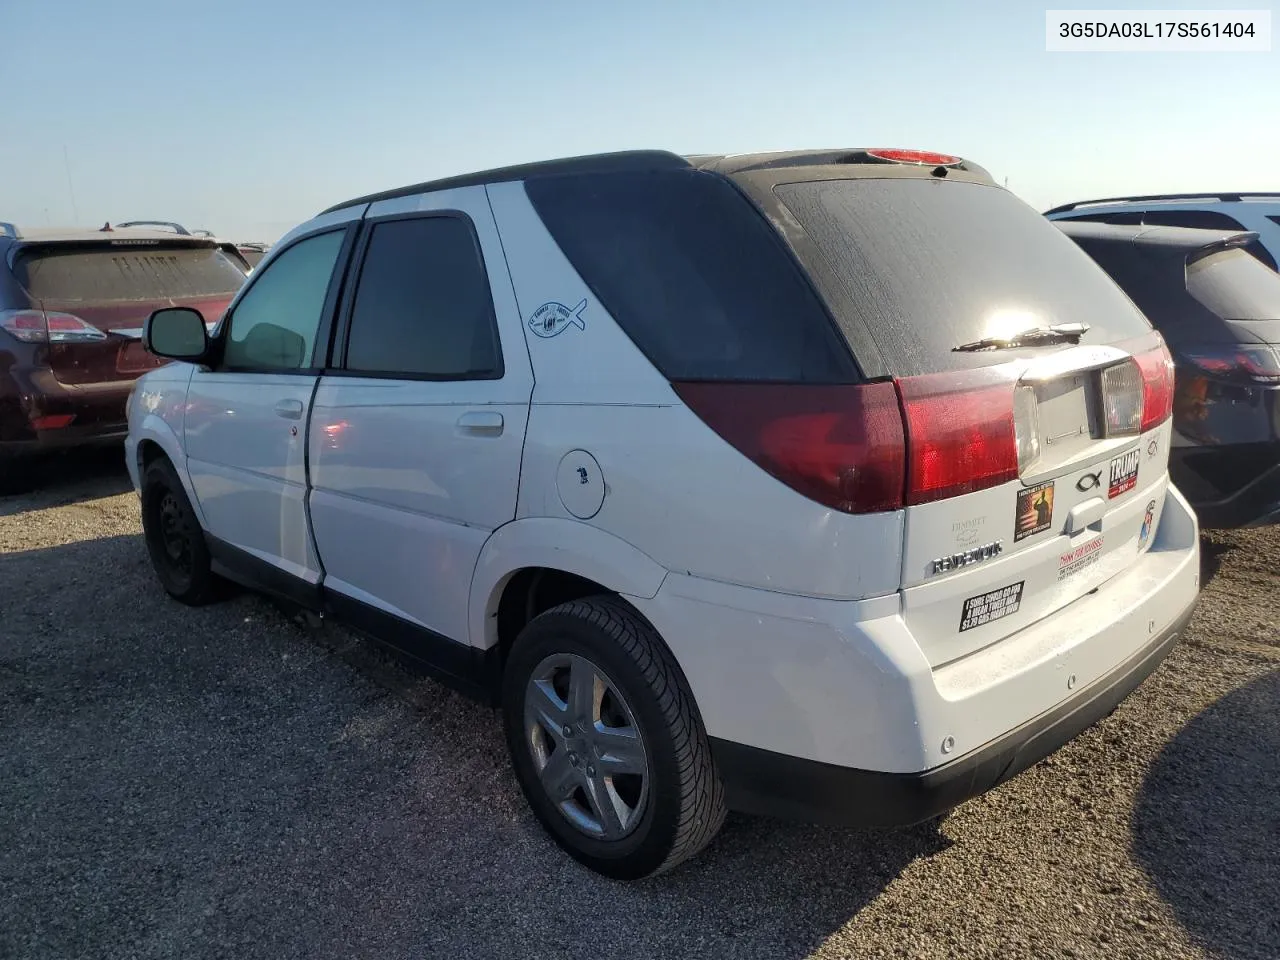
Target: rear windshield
(1235, 286)
(694, 275)
(927, 265)
(155, 274)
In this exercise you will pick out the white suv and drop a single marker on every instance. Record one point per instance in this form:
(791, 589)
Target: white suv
(827, 485)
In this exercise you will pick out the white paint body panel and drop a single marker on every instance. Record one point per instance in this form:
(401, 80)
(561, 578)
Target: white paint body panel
(410, 477)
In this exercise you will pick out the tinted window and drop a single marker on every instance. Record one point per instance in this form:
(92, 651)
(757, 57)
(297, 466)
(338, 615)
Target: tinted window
(422, 306)
(926, 265)
(1235, 286)
(274, 325)
(694, 275)
(128, 273)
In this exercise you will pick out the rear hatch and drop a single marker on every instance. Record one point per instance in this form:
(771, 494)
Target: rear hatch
(89, 300)
(1035, 462)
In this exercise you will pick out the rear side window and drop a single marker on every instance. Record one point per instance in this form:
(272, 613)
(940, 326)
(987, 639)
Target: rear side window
(927, 265)
(128, 273)
(694, 275)
(1235, 286)
(422, 305)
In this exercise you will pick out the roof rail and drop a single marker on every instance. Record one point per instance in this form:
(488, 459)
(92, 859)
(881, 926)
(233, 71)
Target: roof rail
(10, 229)
(175, 227)
(637, 160)
(1209, 195)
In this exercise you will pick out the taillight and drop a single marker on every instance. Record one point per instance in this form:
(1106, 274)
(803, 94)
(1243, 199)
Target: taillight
(36, 326)
(842, 446)
(1247, 363)
(1157, 386)
(960, 433)
(1124, 393)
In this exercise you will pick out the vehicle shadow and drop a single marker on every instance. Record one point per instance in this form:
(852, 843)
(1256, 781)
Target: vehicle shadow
(248, 787)
(67, 478)
(1207, 823)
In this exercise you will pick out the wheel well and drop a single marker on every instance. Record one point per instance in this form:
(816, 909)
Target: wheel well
(535, 590)
(148, 452)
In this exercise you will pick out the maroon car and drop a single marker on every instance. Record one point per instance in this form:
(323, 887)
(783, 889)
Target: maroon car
(72, 306)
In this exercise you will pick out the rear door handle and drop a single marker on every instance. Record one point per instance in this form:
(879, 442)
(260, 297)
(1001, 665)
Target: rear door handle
(481, 424)
(289, 409)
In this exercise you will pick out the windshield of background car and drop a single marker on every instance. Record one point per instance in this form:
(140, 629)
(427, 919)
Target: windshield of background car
(927, 265)
(1235, 286)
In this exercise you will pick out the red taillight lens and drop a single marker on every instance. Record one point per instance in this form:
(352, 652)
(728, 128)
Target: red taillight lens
(35, 326)
(922, 157)
(1246, 363)
(1157, 386)
(960, 433)
(55, 421)
(842, 446)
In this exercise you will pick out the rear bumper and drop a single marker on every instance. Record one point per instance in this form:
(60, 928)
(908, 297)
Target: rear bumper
(831, 710)
(28, 395)
(772, 784)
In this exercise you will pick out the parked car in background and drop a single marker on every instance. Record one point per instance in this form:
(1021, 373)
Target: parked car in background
(1258, 213)
(72, 308)
(1219, 311)
(253, 252)
(679, 461)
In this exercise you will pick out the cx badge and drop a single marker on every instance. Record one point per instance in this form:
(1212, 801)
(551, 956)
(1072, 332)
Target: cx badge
(1089, 481)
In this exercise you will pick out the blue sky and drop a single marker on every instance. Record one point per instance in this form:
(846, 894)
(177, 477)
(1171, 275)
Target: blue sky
(248, 117)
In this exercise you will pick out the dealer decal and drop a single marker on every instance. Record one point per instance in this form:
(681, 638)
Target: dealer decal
(991, 606)
(1085, 555)
(1124, 473)
(1035, 511)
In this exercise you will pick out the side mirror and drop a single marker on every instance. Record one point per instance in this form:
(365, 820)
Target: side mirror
(178, 333)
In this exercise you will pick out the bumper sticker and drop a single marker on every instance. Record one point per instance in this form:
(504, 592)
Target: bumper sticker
(1145, 533)
(991, 606)
(1035, 511)
(1124, 474)
(1085, 555)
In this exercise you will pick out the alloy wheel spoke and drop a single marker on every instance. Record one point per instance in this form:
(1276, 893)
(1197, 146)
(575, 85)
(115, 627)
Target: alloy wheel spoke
(584, 692)
(559, 778)
(608, 807)
(544, 707)
(618, 750)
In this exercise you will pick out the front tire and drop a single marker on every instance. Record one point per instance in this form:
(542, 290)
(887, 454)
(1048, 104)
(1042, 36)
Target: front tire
(175, 539)
(606, 740)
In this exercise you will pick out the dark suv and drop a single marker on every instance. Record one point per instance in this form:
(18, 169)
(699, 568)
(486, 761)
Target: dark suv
(1219, 311)
(72, 307)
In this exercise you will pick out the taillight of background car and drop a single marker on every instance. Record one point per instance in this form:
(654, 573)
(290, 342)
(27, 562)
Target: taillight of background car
(36, 326)
(1244, 364)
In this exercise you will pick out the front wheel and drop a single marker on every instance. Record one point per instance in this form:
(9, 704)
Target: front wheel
(174, 537)
(606, 741)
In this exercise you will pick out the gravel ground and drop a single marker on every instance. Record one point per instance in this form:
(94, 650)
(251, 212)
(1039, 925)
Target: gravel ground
(224, 783)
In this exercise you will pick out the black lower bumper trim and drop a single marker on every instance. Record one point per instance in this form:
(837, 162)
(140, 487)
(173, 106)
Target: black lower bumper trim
(772, 784)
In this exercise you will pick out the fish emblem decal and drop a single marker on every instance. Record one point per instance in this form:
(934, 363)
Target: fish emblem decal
(553, 318)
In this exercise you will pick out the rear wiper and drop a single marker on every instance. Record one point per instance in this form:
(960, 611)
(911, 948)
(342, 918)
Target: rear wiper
(1059, 333)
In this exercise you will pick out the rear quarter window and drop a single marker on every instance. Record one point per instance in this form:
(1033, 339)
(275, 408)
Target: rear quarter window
(694, 275)
(926, 265)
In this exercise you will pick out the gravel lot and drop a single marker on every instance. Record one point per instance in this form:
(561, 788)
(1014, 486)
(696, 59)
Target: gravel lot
(225, 783)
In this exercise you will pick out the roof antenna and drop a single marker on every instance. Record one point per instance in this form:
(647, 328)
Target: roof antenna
(106, 227)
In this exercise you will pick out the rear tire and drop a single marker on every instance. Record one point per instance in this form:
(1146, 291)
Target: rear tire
(175, 539)
(606, 741)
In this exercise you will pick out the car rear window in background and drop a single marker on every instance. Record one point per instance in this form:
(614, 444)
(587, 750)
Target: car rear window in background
(1235, 286)
(128, 273)
(694, 275)
(928, 265)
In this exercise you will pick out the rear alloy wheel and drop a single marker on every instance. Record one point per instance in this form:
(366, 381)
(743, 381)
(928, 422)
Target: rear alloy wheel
(606, 741)
(174, 537)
